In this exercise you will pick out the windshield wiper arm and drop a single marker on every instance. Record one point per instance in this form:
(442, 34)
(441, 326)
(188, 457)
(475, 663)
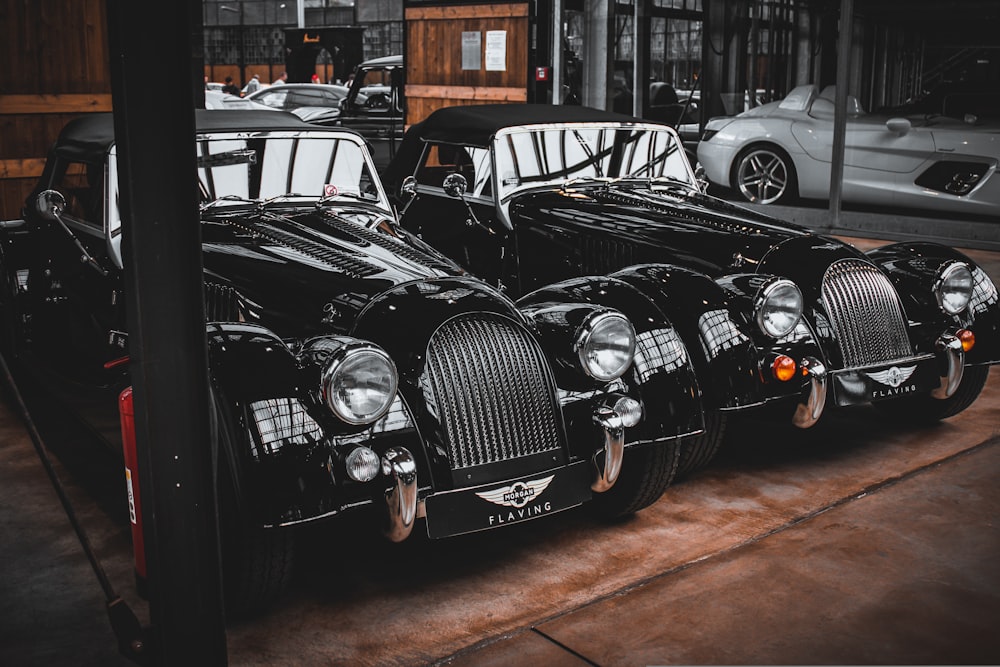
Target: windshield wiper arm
(226, 198)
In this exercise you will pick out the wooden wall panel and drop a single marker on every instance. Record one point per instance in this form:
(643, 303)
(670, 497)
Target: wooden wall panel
(434, 74)
(56, 66)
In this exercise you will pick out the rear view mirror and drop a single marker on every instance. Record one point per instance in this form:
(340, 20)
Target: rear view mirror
(455, 185)
(50, 204)
(408, 188)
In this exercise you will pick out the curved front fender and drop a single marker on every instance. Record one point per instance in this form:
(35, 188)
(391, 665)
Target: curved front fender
(722, 353)
(913, 269)
(662, 371)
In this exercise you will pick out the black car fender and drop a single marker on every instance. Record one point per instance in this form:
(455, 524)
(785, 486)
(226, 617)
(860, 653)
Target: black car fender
(662, 371)
(913, 269)
(403, 319)
(247, 362)
(721, 349)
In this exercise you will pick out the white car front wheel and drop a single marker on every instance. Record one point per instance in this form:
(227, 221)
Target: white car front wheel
(765, 175)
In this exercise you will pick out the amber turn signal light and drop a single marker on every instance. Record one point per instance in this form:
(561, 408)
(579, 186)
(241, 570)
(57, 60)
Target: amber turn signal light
(968, 339)
(783, 368)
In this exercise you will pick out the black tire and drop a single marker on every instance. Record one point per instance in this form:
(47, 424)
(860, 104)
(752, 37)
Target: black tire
(926, 409)
(647, 471)
(765, 174)
(257, 565)
(257, 562)
(697, 452)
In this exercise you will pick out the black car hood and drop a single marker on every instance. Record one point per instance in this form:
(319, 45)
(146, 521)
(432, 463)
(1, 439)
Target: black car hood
(693, 230)
(310, 273)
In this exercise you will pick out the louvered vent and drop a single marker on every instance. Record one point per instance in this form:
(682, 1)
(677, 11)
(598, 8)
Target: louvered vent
(397, 247)
(600, 255)
(221, 303)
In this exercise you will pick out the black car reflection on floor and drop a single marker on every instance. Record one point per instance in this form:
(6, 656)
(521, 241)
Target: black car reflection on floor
(352, 368)
(524, 195)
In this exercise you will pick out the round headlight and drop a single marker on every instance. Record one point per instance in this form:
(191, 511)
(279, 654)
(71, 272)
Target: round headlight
(953, 288)
(778, 307)
(359, 383)
(606, 345)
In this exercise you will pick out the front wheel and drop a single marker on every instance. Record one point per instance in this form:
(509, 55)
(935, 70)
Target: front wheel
(257, 566)
(765, 175)
(926, 409)
(647, 471)
(698, 452)
(257, 562)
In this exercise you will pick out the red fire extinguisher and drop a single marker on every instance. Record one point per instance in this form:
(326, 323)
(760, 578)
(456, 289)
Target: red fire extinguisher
(127, 413)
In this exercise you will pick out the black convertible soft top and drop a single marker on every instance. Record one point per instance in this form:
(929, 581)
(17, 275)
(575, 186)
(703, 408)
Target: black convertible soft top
(90, 136)
(475, 125)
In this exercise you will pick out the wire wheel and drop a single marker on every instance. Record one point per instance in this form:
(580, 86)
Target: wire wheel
(765, 176)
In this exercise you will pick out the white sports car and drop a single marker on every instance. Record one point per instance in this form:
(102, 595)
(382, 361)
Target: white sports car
(782, 150)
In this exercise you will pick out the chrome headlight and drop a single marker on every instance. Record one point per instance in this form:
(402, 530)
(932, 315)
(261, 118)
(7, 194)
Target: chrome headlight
(953, 287)
(778, 307)
(359, 383)
(606, 345)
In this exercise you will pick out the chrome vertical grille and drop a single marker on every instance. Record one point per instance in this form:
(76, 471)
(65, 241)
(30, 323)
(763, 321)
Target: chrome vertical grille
(490, 387)
(865, 312)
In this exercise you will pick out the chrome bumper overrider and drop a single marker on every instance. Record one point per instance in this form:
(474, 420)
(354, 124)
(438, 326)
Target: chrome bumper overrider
(614, 419)
(400, 498)
(809, 410)
(952, 356)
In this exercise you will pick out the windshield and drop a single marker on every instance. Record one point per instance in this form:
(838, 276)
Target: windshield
(263, 166)
(551, 155)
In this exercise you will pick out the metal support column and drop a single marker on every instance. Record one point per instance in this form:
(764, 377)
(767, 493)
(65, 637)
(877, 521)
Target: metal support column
(640, 63)
(161, 246)
(840, 113)
(557, 51)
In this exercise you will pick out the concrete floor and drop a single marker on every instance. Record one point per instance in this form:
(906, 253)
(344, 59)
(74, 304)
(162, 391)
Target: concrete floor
(857, 542)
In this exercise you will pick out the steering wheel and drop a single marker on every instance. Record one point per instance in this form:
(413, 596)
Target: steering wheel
(377, 101)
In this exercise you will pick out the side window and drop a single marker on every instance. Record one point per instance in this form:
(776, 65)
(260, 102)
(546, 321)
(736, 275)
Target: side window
(483, 183)
(443, 159)
(310, 98)
(275, 99)
(81, 183)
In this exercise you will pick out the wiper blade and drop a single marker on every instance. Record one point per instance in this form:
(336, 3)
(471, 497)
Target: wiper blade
(586, 180)
(277, 199)
(226, 199)
(325, 199)
(669, 181)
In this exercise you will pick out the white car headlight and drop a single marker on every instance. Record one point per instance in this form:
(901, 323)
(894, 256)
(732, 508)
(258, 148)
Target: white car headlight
(606, 345)
(778, 307)
(953, 287)
(359, 383)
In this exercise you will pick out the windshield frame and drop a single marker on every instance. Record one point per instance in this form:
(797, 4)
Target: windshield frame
(380, 199)
(505, 135)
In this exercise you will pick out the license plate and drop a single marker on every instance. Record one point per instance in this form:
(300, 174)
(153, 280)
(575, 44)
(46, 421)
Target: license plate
(504, 503)
(885, 382)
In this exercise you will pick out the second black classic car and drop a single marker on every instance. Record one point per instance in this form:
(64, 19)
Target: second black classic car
(523, 195)
(353, 369)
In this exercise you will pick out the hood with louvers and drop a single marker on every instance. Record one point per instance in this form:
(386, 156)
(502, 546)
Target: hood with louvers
(306, 275)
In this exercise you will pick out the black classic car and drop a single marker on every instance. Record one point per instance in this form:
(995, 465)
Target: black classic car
(354, 369)
(524, 195)
(373, 107)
